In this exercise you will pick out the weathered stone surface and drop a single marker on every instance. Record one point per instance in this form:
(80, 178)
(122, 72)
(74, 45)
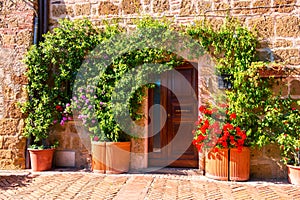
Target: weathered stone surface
(263, 25)
(147, 2)
(265, 163)
(13, 111)
(288, 26)
(282, 43)
(295, 87)
(8, 127)
(160, 6)
(8, 39)
(82, 9)
(204, 6)
(131, 6)
(261, 3)
(284, 6)
(58, 10)
(289, 56)
(108, 8)
(70, 139)
(187, 7)
(221, 7)
(240, 6)
(5, 154)
(280, 87)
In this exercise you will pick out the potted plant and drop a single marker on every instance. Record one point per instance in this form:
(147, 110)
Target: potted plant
(110, 146)
(51, 70)
(288, 139)
(226, 158)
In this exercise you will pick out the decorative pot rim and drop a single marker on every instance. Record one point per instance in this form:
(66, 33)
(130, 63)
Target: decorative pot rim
(109, 142)
(50, 149)
(293, 166)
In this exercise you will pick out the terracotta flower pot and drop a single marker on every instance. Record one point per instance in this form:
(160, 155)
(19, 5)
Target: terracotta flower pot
(41, 159)
(216, 165)
(117, 157)
(293, 174)
(239, 164)
(98, 156)
(110, 157)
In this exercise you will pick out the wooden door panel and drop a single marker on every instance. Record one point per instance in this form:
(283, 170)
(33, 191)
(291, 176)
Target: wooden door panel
(178, 151)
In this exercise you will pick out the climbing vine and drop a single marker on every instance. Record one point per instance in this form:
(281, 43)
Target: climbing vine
(111, 53)
(251, 98)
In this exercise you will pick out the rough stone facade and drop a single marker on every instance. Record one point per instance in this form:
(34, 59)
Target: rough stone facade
(277, 23)
(16, 25)
(72, 138)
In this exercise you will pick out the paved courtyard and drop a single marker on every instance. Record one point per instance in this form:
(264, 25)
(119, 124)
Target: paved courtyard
(87, 185)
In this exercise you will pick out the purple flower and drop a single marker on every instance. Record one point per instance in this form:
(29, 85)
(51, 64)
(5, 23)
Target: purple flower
(79, 116)
(54, 121)
(74, 98)
(80, 90)
(90, 107)
(68, 105)
(70, 118)
(83, 97)
(87, 101)
(62, 122)
(101, 103)
(93, 121)
(64, 119)
(96, 138)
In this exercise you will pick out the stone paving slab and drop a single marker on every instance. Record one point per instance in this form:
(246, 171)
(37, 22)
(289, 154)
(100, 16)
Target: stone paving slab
(87, 185)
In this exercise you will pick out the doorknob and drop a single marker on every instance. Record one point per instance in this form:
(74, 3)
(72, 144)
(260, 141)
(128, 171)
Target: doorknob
(169, 115)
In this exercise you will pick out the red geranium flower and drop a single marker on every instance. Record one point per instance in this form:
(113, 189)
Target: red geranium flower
(232, 116)
(59, 108)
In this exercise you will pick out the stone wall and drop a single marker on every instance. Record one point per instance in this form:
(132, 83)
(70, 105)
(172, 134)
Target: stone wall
(16, 25)
(71, 138)
(277, 23)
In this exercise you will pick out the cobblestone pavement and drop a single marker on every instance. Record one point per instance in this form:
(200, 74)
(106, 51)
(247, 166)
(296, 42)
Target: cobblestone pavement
(87, 185)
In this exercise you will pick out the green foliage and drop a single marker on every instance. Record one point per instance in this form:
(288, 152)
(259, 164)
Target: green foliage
(130, 60)
(234, 47)
(51, 68)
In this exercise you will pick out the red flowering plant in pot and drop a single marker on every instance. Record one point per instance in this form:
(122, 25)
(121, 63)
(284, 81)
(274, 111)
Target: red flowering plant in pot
(223, 144)
(216, 129)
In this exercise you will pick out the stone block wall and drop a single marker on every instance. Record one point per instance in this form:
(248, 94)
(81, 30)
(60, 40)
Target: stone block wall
(276, 21)
(74, 139)
(16, 25)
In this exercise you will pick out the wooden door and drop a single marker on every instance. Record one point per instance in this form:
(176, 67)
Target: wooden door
(177, 94)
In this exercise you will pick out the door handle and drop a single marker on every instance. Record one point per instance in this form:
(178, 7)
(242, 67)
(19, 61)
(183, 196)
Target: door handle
(169, 115)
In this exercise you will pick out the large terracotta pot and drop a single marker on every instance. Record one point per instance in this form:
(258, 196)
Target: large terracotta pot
(216, 165)
(98, 156)
(117, 157)
(293, 174)
(110, 157)
(41, 159)
(239, 164)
